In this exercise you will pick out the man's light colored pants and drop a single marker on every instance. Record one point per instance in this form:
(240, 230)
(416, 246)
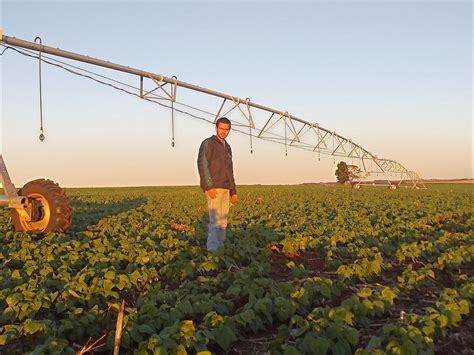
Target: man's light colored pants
(218, 213)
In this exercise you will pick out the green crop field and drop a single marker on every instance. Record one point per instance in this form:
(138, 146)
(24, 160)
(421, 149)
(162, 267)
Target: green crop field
(305, 269)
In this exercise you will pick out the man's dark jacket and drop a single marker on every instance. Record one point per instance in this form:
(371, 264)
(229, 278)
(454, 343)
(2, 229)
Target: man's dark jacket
(215, 165)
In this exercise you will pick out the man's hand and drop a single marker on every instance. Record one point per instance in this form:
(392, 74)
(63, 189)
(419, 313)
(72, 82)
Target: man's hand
(212, 193)
(234, 198)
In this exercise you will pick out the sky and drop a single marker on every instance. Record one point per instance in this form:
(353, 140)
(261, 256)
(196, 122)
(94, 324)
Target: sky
(395, 77)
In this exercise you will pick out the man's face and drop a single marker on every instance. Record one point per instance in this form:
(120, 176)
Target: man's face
(223, 130)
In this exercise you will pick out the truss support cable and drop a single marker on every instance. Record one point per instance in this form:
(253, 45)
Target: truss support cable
(172, 123)
(41, 136)
(250, 119)
(333, 156)
(250, 134)
(172, 113)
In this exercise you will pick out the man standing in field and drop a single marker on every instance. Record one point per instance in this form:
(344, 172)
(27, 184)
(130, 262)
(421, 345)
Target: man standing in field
(216, 174)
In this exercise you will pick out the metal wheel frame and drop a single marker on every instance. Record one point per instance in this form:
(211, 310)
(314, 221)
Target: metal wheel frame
(41, 224)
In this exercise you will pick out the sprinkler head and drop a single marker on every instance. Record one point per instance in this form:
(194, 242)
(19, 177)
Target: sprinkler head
(41, 137)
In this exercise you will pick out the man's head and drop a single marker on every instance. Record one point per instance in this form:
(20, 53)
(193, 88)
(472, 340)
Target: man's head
(222, 127)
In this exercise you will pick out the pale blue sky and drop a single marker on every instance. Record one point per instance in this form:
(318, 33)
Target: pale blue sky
(396, 77)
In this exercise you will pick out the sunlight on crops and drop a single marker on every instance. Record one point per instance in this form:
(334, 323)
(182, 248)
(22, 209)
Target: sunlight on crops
(304, 268)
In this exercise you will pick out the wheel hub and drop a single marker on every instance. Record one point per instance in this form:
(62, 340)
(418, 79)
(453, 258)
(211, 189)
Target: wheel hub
(40, 214)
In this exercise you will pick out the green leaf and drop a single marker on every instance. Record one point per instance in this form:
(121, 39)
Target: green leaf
(29, 295)
(36, 305)
(248, 316)
(73, 293)
(389, 328)
(31, 327)
(30, 269)
(14, 299)
(284, 308)
(352, 335)
(16, 275)
(291, 350)
(263, 305)
(123, 282)
(53, 296)
(209, 265)
(322, 346)
(464, 307)
(298, 293)
(202, 307)
(181, 350)
(409, 348)
(314, 345)
(428, 330)
(108, 285)
(224, 337)
(185, 307)
(388, 295)
(146, 329)
(364, 292)
(368, 304)
(454, 317)
(325, 290)
(136, 335)
(339, 348)
(109, 275)
(88, 233)
(233, 291)
(135, 277)
(214, 319)
(348, 317)
(374, 343)
(443, 321)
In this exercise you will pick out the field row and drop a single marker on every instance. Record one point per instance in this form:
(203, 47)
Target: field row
(305, 269)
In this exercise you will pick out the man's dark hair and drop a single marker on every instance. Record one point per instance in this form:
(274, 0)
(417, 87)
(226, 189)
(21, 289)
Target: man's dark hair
(224, 120)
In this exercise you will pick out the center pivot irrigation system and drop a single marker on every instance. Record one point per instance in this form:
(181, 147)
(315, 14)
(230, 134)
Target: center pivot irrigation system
(41, 205)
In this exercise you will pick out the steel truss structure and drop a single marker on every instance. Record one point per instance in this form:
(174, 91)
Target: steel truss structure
(272, 125)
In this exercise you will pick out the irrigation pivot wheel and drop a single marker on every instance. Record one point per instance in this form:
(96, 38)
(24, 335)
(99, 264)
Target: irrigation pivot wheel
(50, 209)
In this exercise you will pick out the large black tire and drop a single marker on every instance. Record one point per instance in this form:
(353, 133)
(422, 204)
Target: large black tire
(53, 214)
